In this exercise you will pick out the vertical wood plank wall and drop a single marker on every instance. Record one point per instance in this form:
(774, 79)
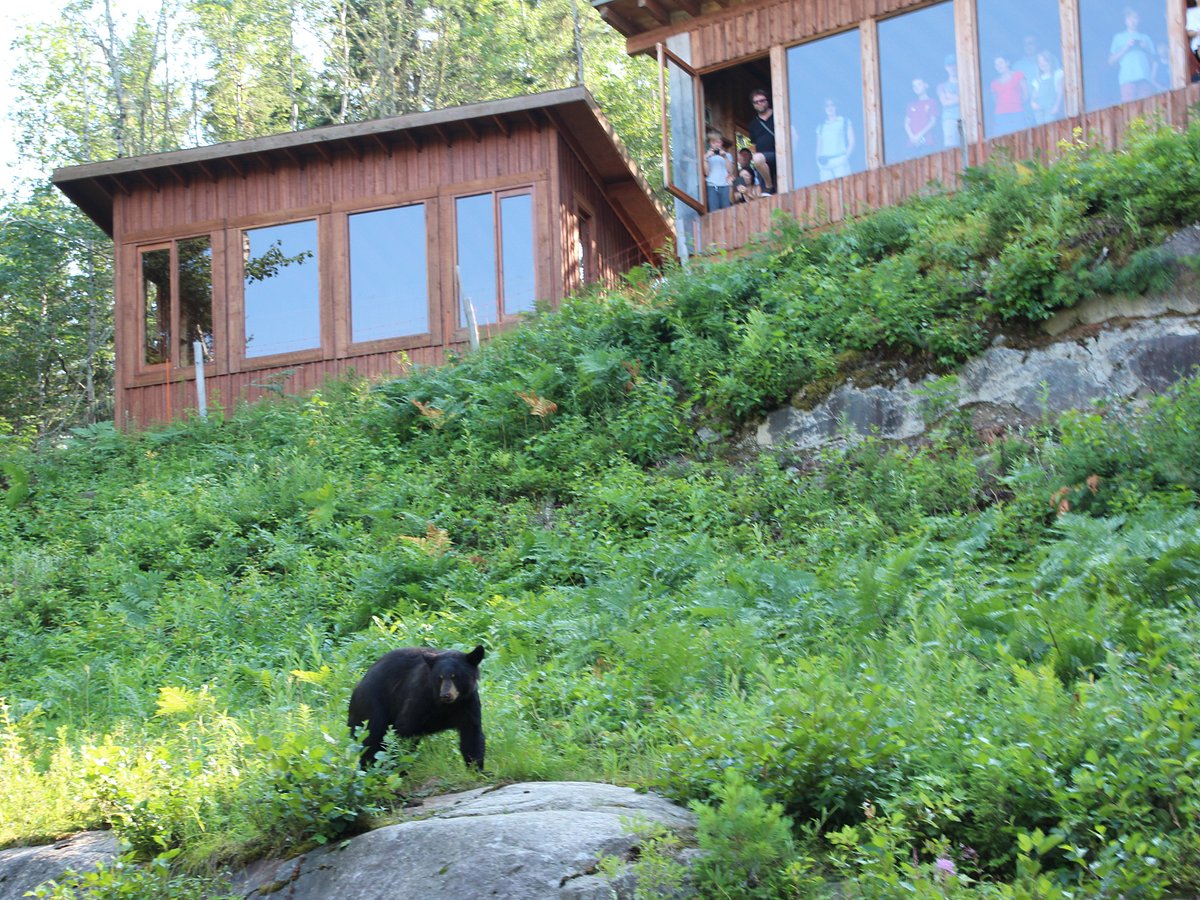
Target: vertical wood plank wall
(327, 190)
(844, 198)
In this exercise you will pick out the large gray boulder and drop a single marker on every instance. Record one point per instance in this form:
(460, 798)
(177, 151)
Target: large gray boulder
(524, 841)
(23, 869)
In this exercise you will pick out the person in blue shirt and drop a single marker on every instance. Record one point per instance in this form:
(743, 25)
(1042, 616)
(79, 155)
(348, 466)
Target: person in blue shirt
(1133, 53)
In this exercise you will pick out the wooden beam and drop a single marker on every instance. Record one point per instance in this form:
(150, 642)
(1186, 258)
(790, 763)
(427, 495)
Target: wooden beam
(440, 132)
(146, 178)
(966, 32)
(382, 144)
(691, 7)
(533, 120)
(292, 157)
(323, 152)
(212, 176)
(1177, 43)
(466, 123)
(782, 107)
(179, 176)
(872, 107)
(120, 186)
(656, 10)
(1072, 63)
(618, 21)
(235, 165)
(413, 139)
(502, 125)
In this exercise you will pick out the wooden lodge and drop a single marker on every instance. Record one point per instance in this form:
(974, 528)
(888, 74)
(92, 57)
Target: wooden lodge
(848, 79)
(285, 259)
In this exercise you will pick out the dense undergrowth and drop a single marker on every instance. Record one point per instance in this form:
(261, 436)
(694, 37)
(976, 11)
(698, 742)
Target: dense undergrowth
(965, 668)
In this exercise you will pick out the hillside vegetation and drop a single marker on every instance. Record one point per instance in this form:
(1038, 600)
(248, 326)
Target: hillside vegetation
(966, 668)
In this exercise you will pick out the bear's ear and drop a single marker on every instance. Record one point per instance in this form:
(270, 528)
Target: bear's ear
(475, 657)
(430, 658)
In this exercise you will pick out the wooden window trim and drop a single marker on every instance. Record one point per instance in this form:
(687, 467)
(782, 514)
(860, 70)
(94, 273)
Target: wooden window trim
(504, 320)
(144, 373)
(239, 361)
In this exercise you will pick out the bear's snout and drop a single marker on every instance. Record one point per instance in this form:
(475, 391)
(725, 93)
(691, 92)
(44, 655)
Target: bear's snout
(448, 693)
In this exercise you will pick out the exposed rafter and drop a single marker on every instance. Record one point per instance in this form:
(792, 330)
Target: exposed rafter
(656, 9)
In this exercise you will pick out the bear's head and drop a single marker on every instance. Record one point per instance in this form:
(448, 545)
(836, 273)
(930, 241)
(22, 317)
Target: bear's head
(456, 674)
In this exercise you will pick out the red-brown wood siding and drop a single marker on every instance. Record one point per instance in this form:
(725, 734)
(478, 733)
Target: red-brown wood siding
(615, 251)
(843, 198)
(435, 173)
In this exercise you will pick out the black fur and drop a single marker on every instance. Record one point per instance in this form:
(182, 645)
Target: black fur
(418, 691)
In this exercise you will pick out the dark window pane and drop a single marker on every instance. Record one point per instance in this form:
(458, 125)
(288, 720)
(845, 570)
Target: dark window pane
(516, 241)
(1020, 64)
(826, 108)
(156, 305)
(475, 221)
(282, 288)
(915, 51)
(195, 297)
(1124, 46)
(389, 294)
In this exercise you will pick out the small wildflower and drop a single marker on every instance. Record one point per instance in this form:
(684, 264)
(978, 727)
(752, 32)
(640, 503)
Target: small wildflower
(944, 866)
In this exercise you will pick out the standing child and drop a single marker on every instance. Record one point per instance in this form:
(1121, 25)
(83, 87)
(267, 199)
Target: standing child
(718, 171)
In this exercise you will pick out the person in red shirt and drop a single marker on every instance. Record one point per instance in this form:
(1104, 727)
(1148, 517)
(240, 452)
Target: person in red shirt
(1010, 94)
(920, 120)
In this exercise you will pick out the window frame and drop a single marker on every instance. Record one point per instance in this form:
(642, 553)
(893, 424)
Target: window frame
(151, 372)
(345, 289)
(497, 194)
(243, 362)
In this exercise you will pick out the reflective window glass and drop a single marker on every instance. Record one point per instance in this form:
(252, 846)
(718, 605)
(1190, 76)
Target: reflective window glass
(516, 243)
(916, 54)
(282, 288)
(156, 305)
(825, 99)
(389, 291)
(476, 224)
(195, 297)
(1020, 62)
(683, 136)
(1125, 51)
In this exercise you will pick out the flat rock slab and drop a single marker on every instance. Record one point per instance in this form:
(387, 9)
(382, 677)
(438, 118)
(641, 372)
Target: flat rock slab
(25, 868)
(530, 841)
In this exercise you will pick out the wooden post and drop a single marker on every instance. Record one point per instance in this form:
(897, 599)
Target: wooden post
(1177, 43)
(780, 102)
(966, 44)
(1068, 12)
(872, 106)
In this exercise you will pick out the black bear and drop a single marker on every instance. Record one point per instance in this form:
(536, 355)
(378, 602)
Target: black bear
(418, 691)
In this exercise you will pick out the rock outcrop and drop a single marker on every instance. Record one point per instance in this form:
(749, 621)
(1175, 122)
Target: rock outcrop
(534, 841)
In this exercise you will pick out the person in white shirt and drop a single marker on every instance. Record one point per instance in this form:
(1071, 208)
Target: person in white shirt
(718, 171)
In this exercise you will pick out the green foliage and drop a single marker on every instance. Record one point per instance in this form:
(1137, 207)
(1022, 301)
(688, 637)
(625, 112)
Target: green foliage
(746, 843)
(126, 878)
(957, 667)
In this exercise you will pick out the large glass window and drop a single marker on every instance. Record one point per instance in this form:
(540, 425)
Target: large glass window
(495, 255)
(1020, 62)
(282, 288)
(176, 301)
(1125, 50)
(389, 282)
(826, 108)
(916, 54)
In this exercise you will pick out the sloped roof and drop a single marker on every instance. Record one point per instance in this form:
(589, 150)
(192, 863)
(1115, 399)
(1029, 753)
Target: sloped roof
(93, 186)
(636, 17)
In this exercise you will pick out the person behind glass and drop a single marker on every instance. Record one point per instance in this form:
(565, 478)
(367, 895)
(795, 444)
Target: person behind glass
(835, 143)
(745, 185)
(762, 136)
(1046, 92)
(947, 94)
(1133, 53)
(920, 118)
(718, 171)
(1027, 65)
(1009, 94)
